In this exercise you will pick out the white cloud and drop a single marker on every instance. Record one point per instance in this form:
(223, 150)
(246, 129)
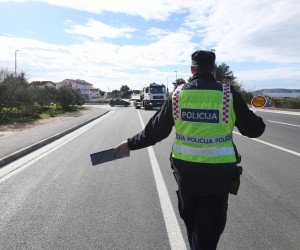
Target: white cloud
(259, 30)
(98, 30)
(172, 49)
(97, 61)
(240, 31)
(155, 33)
(19, 1)
(154, 9)
(265, 30)
(280, 77)
(149, 10)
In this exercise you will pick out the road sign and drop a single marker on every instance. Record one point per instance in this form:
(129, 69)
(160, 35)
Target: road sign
(259, 101)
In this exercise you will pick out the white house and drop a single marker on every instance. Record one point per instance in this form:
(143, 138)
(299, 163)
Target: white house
(84, 87)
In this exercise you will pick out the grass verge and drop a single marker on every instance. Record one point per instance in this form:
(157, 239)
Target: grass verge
(36, 113)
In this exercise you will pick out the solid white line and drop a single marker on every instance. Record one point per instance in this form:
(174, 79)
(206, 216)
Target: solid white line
(17, 166)
(278, 111)
(285, 123)
(271, 145)
(173, 229)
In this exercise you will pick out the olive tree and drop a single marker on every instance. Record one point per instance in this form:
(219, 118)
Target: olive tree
(15, 92)
(66, 97)
(225, 75)
(124, 91)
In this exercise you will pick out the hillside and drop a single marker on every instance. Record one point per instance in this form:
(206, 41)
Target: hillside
(278, 93)
(278, 90)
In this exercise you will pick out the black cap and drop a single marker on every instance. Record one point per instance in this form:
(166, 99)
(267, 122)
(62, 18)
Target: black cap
(203, 58)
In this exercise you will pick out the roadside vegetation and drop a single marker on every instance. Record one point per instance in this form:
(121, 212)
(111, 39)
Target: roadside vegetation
(22, 102)
(286, 103)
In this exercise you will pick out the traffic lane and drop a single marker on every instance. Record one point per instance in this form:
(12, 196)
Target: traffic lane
(272, 167)
(265, 213)
(62, 202)
(147, 225)
(293, 118)
(140, 220)
(279, 117)
(281, 135)
(162, 152)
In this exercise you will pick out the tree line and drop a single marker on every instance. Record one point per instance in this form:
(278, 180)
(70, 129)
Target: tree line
(18, 98)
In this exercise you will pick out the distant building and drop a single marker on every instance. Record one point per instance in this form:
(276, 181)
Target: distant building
(84, 87)
(96, 93)
(42, 84)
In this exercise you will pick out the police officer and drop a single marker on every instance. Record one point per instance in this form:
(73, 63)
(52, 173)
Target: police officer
(204, 157)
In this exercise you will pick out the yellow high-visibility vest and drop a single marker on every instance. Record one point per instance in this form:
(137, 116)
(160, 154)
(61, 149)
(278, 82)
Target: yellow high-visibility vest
(204, 121)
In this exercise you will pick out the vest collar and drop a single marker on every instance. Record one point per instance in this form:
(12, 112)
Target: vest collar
(207, 76)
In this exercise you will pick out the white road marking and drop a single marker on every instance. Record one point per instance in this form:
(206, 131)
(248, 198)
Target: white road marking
(271, 145)
(285, 123)
(15, 167)
(173, 229)
(279, 111)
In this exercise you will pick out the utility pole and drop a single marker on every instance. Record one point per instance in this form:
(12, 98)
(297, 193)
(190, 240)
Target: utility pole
(167, 82)
(16, 62)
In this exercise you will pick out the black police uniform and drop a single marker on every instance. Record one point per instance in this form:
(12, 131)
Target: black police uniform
(202, 188)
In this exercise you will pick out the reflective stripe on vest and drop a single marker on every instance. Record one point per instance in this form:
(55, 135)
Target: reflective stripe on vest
(204, 140)
(204, 151)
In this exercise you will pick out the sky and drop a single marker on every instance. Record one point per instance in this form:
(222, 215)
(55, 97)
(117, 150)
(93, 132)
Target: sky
(136, 42)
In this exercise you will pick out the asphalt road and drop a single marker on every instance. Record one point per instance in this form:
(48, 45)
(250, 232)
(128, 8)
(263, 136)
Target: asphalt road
(59, 201)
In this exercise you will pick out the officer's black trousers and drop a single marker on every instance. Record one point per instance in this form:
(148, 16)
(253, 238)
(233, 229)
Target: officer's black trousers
(202, 200)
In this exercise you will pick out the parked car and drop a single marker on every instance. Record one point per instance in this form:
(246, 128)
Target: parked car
(118, 101)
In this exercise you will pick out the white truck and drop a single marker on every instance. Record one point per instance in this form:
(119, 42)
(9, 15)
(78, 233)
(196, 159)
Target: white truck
(152, 95)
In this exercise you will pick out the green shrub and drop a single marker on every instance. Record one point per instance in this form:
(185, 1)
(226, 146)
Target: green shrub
(291, 103)
(288, 103)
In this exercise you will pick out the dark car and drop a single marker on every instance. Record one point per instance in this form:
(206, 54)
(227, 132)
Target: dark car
(118, 101)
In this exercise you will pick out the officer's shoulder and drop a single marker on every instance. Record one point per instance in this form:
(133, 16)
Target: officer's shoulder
(232, 89)
(190, 85)
(203, 84)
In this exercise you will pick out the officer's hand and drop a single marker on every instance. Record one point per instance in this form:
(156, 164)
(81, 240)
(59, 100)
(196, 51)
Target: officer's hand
(123, 148)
